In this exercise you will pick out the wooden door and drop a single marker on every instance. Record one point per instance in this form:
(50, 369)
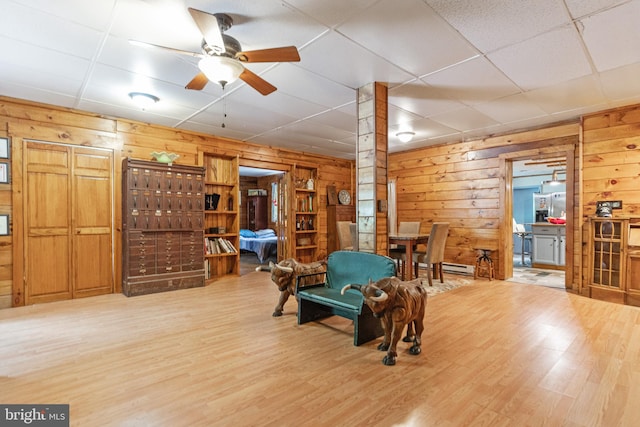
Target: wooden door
(284, 249)
(68, 222)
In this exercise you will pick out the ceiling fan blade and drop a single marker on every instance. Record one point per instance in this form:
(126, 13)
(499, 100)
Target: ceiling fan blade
(276, 54)
(210, 29)
(198, 82)
(170, 49)
(257, 82)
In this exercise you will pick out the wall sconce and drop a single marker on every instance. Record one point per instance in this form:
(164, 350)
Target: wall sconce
(405, 136)
(143, 100)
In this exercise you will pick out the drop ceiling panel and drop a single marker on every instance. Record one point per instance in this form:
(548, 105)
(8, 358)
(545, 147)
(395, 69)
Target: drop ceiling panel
(544, 60)
(36, 28)
(581, 8)
(603, 40)
(464, 119)
(620, 83)
(331, 12)
(410, 36)
(472, 82)
(301, 83)
(42, 60)
(338, 119)
(511, 109)
(566, 97)
(421, 99)
(343, 61)
(244, 118)
(93, 14)
(491, 25)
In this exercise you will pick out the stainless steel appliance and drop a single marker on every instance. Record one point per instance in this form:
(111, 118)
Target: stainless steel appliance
(549, 205)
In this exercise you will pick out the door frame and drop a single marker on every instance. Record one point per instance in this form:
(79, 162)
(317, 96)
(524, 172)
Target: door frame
(506, 200)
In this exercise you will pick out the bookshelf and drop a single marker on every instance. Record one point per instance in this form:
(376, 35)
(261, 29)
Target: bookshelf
(305, 232)
(221, 216)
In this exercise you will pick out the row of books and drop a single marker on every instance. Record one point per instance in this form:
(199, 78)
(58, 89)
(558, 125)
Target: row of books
(218, 245)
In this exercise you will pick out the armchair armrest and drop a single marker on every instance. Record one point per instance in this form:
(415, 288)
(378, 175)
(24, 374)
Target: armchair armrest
(320, 282)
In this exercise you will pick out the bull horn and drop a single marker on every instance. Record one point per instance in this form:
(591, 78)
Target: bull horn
(380, 296)
(345, 287)
(283, 268)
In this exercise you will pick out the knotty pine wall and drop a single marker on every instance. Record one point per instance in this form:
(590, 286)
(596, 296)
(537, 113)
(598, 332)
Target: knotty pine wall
(27, 120)
(463, 183)
(466, 185)
(611, 165)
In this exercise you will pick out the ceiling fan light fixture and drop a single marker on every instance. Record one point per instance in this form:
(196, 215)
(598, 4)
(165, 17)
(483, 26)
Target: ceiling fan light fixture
(220, 69)
(405, 136)
(143, 100)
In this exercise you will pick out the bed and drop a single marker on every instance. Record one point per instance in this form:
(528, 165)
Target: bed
(264, 243)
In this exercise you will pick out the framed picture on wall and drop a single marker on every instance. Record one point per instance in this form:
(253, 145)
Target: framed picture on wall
(4, 173)
(4, 148)
(4, 225)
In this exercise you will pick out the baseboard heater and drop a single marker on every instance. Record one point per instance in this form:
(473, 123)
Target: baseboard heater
(457, 268)
(454, 268)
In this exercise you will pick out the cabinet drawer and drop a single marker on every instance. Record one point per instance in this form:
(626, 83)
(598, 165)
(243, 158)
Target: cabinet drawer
(544, 230)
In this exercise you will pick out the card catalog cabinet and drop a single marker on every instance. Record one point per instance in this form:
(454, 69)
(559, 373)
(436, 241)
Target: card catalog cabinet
(162, 230)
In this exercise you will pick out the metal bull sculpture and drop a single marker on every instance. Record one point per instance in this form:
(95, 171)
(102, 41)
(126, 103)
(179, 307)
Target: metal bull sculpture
(396, 303)
(284, 275)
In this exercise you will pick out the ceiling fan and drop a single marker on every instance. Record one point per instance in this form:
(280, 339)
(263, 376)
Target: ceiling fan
(222, 56)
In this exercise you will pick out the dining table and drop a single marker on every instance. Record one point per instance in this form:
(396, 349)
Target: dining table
(409, 240)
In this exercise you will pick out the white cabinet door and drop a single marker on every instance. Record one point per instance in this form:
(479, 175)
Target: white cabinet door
(545, 249)
(562, 250)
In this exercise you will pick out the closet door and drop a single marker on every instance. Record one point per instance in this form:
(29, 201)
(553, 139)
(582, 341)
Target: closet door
(67, 229)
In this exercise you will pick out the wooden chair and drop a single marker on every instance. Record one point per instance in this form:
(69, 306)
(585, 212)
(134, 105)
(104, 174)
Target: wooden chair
(345, 238)
(434, 255)
(399, 252)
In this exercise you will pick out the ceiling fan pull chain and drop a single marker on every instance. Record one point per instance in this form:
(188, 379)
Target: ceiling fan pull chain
(224, 109)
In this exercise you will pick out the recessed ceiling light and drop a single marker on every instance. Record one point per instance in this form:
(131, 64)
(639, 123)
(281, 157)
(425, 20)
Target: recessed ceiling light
(405, 136)
(143, 100)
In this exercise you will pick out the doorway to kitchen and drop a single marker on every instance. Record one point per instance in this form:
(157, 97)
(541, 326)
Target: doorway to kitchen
(535, 249)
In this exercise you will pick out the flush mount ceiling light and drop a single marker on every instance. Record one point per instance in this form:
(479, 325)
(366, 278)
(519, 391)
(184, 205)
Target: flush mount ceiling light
(221, 69)
(143, 100)
(405, 136)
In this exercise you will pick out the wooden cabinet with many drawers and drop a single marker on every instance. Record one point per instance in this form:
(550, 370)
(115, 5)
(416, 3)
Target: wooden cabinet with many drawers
(163, 222)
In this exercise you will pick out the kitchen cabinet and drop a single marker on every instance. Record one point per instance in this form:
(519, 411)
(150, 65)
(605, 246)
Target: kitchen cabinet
(548, 246)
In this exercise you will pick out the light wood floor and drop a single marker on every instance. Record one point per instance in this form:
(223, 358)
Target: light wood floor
(494, 354)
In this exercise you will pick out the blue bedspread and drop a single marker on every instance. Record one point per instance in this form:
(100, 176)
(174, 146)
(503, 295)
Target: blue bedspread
(264, 245)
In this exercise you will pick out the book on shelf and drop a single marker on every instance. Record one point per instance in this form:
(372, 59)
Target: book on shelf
(218, 245)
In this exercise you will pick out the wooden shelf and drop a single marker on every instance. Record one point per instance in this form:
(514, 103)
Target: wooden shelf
(222, 178)
(305, 206)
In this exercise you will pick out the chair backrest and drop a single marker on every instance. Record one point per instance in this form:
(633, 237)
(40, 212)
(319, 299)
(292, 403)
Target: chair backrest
(409, 227)
(436, 243)
(349, 268)
(344, 235)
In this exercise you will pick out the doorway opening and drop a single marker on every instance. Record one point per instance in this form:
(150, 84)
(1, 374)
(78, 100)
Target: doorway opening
(538, 196)
(262, 218)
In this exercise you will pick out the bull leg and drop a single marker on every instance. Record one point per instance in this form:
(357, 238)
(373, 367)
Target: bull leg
(416, 347)
(387, 326)
(284, 296)
(410, 335)
(390, 358)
